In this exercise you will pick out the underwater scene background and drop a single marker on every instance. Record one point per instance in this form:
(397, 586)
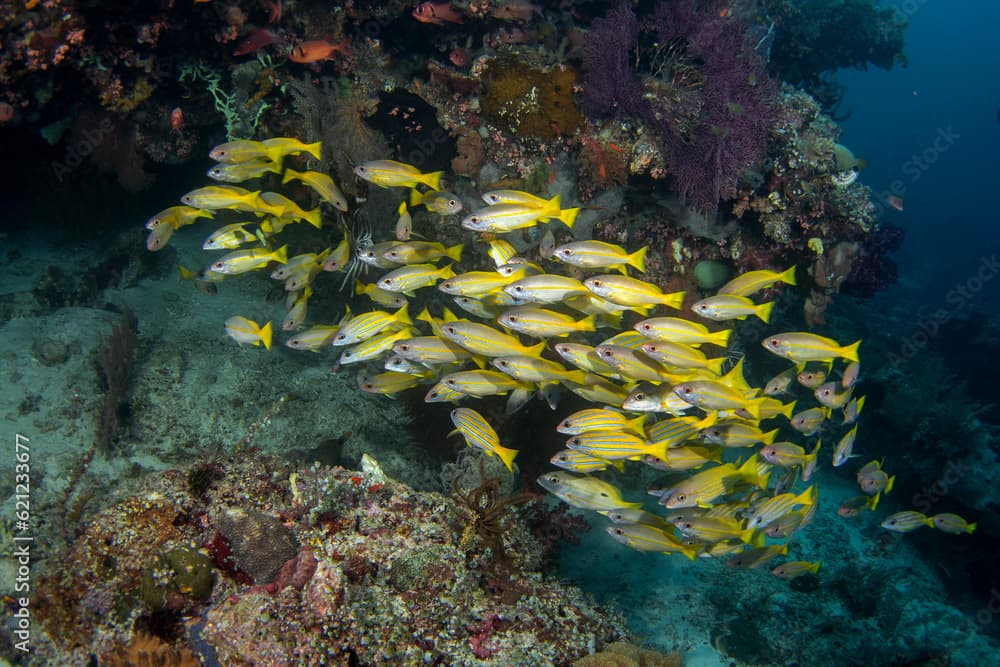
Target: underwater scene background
(499, 333)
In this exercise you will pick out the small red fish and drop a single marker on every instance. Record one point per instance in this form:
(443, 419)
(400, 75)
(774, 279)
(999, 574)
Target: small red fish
(255, 41)
(315, 50)
(895, 202)
(176, 120)
(437, 13)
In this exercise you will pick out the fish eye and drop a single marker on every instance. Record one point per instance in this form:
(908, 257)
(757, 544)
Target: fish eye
(774, 342)
(404, 347)
(452, 202)
(501, 362)
(640, 396)
(567, 251)
(450, 382)
(518, 288)
(682, 497)
(596, 283)
(618, 531)
(647, 327)
(687, 390)
(217, 265)
(367, 386)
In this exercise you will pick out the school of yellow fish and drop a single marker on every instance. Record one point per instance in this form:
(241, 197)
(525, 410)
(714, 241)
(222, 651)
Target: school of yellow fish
(662, 393)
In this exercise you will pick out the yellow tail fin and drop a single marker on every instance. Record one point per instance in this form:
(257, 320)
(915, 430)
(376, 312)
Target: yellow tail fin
(265, 333)
(314, 218)
(454, 252)
(788, 276)
(568, 216)
(316, 149)
(638, 259)
(433, 180)
(281, 255)
(290, 175)
(721, 338)
(764, 311)
(416, 199)
(850, 352)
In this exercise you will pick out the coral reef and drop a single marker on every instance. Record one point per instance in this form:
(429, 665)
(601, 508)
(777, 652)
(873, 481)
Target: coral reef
(527, 101)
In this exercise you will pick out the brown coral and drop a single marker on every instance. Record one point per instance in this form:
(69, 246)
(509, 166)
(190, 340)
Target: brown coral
(530, 102)
(150, 651)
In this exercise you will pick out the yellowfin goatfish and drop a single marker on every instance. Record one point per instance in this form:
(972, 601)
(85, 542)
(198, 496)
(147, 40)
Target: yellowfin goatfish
(272, 149)
(480, 435)
(418, 252)
(600, 255)
(586, 493)
(177, 217)
(627, 291)
(222, 196)
(724, 307)
(243, 331)
(392, 174)
(643, 537)
(752, 281)
(443, 203)
(702, 488)
(542, 323)
(796, 568)
(243, 171)
(322, 184)
(241, 261)
(408, 279)
(799, 347)
(389, 382)
(501, 218)
(904, 522)
(685, 332)
(953, 523)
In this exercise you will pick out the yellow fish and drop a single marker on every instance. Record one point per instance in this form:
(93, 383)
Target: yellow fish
(752, 281)
(677, 330)
(480, 435)
(392, 174)
(243, 171)
(243, 331)
(241, 261)
(587, 493)
(627, 291)
(276, 149)
(801, 347)
(796, 568)
(322, 184)
(215, 197)
(600, 255)
(542, 323)
(443, 203)
(726, 307)
(177, 217)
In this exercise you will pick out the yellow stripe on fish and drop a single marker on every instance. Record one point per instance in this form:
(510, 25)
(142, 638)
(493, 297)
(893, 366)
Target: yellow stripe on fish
(747, 283)
(393, 174)
(800, 347)
(241, 261)
(627, 291)
(324, 186)
(480, 435)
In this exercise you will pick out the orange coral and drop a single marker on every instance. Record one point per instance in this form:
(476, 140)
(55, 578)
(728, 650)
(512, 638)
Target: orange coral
(529, 101)
(150, 651)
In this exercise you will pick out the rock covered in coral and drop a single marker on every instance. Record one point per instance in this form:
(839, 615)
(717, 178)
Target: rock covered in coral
(261, 543)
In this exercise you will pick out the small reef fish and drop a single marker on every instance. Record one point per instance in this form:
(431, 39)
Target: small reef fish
(249, 259)
(710, 395)
(852, 507)
(284, 209)
(807, 422)
(682, 356)
(780, 383)
(627, 291)
(702, 488)
(392, 174)
(724, 307)
(737, 434)
(442, 203)
(953, 523)
(545, 288)
(752, 281)
(685, 332)
(600, 419)
(907, 521)
(322, 184)
(364, 326)
(177, 217)
(243, 331)
(255, 41)
(507, 217)
(850, 376)
(796, 568)
(243, 171)
(407, 279)
(214, 197)
(811, 378)
(436, 13)
(787, 454)
(644, 537)
(872, 479)
(542, 323)
(480, 435)
(584, 492)
(801, 347)
(389, 382)
(853, 409)
(315, 50)
(895, 201)
(600, 255)
(832, 395)
(844, 448)
(535, 369)
(313, 339)
(404, 223)
(243, 150)
(418, 252)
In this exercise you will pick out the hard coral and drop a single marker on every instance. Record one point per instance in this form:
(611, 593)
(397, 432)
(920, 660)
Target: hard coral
(530, 102)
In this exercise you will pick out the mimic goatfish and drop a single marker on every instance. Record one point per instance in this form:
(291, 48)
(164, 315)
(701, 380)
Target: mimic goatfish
(238, 172)
(177, 217)
(600, 255)
(644, 537)
(586, 493)
(953, 523)
(796, 568)
(437, 13)
(542, 323)
(249, 259)
(442, 203)
(274, 150)
(222, 196)
(322, 184)
(480, 435)
(502, 218)
(392, 174)
(724, 307)
(798, 347)
(314, 50)
(752, 281)
(418, 252)
(906, 521)
(677, 330)
(627, 291)
(243, 330)
(411, 277)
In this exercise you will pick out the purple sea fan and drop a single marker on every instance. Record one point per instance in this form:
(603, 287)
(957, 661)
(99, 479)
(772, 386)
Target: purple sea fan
(611, 86)
(739, 102)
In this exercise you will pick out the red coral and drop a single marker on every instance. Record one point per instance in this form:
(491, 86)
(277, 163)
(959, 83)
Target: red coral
(479, 636)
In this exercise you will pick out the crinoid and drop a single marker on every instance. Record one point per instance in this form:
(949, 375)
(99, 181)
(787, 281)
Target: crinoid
(490, 510)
